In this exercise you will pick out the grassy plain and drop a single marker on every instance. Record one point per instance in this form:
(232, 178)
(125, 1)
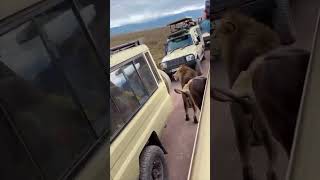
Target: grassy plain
(154, 39)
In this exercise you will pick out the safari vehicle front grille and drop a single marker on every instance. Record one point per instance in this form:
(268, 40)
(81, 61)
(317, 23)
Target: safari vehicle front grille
(176, 62)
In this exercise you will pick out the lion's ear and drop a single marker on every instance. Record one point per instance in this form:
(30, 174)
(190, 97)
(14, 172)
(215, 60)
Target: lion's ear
(228, 27)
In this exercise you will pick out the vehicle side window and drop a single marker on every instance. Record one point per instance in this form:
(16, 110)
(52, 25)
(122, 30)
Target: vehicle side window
(18, 164)
(145, 74)
(39, 100)
(125, 102)
(136, 84)
(79, 63)
(154, 69)
(94, 15)
(117, 117)
(131, 86)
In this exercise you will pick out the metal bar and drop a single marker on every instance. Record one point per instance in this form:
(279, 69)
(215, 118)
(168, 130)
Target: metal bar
(52, 51)
(127, 79)
(88, 35)
(125, 46)
(140, 77)
(19, 136)
(304, 160)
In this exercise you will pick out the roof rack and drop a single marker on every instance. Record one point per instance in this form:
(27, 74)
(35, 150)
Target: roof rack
(178, 33)
(180, 20)
(186, 22)
(125, 46)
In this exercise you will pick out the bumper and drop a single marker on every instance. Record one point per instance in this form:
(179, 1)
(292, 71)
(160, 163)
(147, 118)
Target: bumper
(171, 70)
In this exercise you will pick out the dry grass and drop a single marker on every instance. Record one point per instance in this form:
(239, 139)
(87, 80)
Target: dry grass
(154, 39)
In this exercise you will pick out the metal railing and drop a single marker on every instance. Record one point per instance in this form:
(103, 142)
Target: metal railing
(125, 46)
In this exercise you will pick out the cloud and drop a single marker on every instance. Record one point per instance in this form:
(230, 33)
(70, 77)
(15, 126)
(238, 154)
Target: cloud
(125, 12)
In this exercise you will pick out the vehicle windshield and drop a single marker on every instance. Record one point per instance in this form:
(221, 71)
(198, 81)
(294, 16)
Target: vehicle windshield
(205, 26)
(179, 42)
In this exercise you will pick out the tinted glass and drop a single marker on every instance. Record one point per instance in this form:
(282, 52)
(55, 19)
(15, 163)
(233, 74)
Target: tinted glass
(117, 118)
(79, 63)
(145, 74)
(154, 69)
(179, 42)
(38, 96)
(135, 82)
(8, 8)
(205, 26)
(123, 95)
(95, 14)
(16, 163)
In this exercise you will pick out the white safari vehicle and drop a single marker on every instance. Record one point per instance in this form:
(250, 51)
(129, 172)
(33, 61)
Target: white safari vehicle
(139, 106)
(185, 45)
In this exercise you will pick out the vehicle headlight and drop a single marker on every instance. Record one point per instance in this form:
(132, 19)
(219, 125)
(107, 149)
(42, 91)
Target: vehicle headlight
(190, 57)
(163, 65)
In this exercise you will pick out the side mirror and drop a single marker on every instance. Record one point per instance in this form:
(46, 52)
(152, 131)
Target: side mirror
(165, 48)
(198, 38)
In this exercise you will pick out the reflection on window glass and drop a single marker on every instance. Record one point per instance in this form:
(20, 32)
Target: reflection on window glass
(135, 82)
(16, 162)
(80, 65)
(122, 94)
(116, 117)
(124, 103)
(154, 69)
(95, 16)
(145, 74)
(37, 95)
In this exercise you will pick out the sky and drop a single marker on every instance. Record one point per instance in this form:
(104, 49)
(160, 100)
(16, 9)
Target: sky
(125, 12)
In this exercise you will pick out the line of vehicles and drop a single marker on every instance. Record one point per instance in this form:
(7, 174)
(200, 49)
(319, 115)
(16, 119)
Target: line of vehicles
(51, 59)
(141, 103)
(186, 44)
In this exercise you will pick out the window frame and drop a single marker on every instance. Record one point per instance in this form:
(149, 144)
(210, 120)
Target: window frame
(29, 13)
(18, 136)
(149, 59)
(129, 119)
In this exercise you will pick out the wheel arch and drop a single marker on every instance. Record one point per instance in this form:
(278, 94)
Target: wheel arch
(155, 140)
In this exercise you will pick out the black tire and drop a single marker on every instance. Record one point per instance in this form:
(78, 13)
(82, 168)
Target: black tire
(152, 164)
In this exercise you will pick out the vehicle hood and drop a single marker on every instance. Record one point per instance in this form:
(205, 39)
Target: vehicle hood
(180, 52)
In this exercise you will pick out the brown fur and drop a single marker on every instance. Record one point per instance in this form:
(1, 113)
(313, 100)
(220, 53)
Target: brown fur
(278, 85)
(184, 74)
(277, 80)
(194, 91)
(242, 40)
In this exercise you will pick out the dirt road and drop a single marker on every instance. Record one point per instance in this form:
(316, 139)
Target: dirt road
(225, 160)
(178, 136)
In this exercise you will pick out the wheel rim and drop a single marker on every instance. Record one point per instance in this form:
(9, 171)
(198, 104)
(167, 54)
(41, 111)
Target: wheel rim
(157, 170)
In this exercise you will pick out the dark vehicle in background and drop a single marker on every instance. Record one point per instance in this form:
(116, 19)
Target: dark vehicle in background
(205, 28)
(53, 90)
(207, 9)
